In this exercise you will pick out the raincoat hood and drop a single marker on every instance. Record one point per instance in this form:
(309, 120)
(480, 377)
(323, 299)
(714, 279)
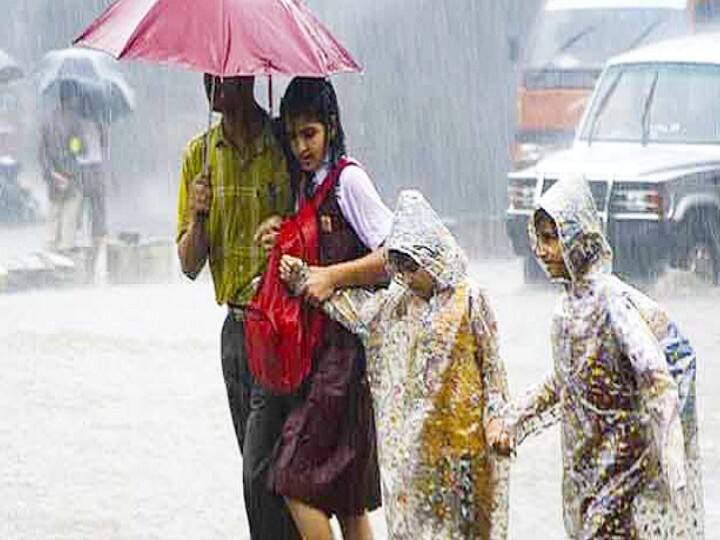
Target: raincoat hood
(418, 232)
(584, 246)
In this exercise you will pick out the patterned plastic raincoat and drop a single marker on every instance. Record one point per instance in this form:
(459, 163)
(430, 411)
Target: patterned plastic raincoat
(623, 389)
(436, 379)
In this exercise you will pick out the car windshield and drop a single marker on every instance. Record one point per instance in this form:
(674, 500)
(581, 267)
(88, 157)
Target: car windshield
(662, 103)
(586, 38)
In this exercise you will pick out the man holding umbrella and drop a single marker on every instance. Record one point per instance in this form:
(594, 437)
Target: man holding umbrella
(221, 213)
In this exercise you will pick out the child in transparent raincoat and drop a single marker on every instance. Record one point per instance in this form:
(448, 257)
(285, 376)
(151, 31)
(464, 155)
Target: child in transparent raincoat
(622, 388)
(437, 381)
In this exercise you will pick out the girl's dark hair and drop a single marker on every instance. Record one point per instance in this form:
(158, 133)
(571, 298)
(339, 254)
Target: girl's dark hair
(542, 215)
(402, 261)
(315, 98)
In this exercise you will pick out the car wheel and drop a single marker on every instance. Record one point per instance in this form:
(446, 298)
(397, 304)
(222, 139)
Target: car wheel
(701, 259)
(698, 240)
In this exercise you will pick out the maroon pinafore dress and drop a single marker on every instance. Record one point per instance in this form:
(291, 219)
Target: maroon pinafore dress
(326, 455)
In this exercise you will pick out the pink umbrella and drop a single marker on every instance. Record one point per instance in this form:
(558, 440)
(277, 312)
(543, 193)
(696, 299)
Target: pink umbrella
(222, 37)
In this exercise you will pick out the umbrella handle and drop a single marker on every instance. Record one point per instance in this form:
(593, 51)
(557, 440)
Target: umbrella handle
(206, 157)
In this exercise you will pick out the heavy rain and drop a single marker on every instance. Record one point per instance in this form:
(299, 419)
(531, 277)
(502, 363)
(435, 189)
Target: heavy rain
(114, 400)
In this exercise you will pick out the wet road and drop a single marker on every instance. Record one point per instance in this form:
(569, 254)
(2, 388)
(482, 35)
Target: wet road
(115, 425)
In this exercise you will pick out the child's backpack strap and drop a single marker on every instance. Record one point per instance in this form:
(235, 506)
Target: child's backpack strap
(331, 181)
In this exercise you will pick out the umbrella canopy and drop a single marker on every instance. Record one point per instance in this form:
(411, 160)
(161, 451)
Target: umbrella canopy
(9, 70)
(88, 75)
(222, 37)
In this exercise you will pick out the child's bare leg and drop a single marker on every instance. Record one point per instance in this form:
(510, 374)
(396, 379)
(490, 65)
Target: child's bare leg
(356, 527)
(312, 523)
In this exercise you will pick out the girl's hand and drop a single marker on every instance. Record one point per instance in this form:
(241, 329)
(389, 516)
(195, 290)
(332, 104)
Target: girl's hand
(292, 272)
(319, 285)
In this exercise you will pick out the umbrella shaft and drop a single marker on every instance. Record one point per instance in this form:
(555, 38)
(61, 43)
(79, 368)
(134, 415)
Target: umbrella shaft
(206, 157)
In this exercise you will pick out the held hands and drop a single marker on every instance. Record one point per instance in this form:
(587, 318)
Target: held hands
(315, 283)
(201, 195)
(499, 437)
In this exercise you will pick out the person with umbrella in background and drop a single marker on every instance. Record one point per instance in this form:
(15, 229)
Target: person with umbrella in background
(243, 190)
(71, 157)
(80, 95)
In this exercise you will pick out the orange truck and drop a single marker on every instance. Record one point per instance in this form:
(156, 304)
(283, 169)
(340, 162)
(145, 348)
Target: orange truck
(569, 44)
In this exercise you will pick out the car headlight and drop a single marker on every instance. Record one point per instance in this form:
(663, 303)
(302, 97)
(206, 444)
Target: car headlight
(640, 199)
(527, 154)
(521, 193)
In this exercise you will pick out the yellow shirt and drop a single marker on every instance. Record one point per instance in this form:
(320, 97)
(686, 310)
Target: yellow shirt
(248, 185)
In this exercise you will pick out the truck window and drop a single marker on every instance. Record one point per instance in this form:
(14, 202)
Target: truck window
(618, 105)
(685, 107)
(670, 103)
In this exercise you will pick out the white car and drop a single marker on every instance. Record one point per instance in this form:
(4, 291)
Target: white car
(649, 144)
(571, 40)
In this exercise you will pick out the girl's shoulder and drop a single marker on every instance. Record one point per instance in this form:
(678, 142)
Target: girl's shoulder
(354, 173)
(355, 184)
(350, 161)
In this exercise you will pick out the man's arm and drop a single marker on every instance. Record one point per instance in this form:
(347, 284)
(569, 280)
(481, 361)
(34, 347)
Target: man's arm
(193, 244)
(193, 248)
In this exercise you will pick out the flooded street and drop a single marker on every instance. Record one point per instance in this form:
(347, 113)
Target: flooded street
(115, 423)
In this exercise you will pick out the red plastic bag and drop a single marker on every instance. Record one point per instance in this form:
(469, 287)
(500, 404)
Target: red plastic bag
(283, 331)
